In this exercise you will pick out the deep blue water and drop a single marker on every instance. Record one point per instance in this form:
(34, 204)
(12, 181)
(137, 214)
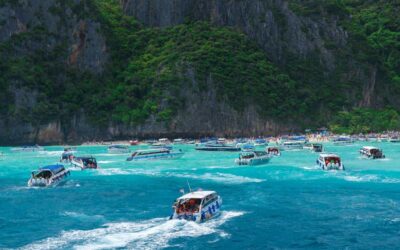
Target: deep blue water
(288, 203)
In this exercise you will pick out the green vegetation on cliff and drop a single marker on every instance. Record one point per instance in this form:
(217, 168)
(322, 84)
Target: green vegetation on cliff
(373, 26)
(361, 120)
(149, 67)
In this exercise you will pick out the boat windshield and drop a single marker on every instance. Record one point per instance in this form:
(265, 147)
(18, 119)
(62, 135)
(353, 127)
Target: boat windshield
(247, 156)
(260, 153)
(89, 162)
(188, 206)
(335, 160)
(375, 151)
(43, 174)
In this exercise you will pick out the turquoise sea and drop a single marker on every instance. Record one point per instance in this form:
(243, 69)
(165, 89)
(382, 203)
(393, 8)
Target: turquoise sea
(286, 204)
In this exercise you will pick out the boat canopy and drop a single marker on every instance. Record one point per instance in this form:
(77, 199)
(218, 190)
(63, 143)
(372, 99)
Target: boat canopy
(196, 195)
(53, 168)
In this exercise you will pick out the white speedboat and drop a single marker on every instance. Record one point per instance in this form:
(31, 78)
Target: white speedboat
(84, 162)
(292, 145)
(198, 206)
(273, 151)
(66, 157)
(118, 149)
(316, 147)
(28, 149)
(330, 162)
(155, 154)
(394, 139)
(253, 158)
(343, 140)
(216, 146)
(178, 141)
(48, 176)
(372, 152)
(260, 142)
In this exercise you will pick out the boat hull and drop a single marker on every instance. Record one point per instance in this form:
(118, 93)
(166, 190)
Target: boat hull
(156, 157)
(228, 149)
(252, 162)
(330, 166)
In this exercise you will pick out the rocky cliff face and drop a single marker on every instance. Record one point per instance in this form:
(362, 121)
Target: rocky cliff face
(270, 23)
(69, 26)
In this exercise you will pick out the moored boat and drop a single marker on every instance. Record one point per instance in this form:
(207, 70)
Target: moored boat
(84, 162)
(330, 162)
(155, 154)
(66, 156)
(178, 141)
(118, 149)
(198, 206)
(48, 176)
(394, 139)
(253, 158)
(343, 140)
(372, 152)
(292, 145)
(260, 142)
(273, 151)
(216, 146)
(134, 142)
(316, 147)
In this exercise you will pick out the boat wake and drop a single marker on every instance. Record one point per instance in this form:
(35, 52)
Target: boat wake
(216, 177)
(83, 217)
(148, 234)
(220, 177)
(106, 162)
(370, 178)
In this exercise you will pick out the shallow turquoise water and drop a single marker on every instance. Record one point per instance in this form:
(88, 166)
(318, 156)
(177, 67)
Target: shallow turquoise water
(289, 203)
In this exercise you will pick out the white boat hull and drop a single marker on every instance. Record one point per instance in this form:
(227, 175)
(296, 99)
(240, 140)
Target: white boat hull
(208, 212)
(254, 161)
(330, 166)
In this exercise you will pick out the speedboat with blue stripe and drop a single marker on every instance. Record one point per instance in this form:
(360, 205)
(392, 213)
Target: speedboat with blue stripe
(253, 158)
(84, 162)
(343, 140)
(118, 149)
(217, 146)
(48, 176)
(155, 154)
(198, 206)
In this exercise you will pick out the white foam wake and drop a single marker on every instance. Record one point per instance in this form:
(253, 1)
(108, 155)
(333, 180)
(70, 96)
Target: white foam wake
(106, 162)
(149, 234)
(370, 178)
(216, 177)
(220, 177)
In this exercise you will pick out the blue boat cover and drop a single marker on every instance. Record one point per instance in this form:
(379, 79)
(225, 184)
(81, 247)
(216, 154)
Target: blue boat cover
(52, 168)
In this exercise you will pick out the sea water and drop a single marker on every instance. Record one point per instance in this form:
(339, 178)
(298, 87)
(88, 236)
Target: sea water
(287, 203)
